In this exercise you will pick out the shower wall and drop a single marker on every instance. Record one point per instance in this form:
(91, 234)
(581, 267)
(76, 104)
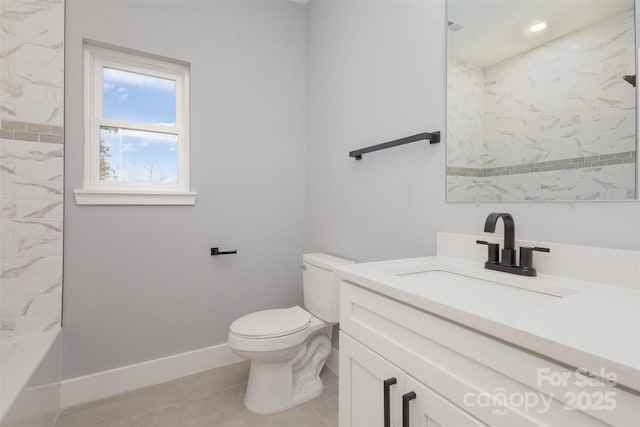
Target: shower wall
(554, 123)
(31, 165)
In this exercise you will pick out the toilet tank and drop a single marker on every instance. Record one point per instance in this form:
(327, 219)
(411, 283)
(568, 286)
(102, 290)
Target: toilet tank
(321, 287)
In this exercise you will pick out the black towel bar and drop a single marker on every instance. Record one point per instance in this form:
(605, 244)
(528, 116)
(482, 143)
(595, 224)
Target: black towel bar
(432, 137)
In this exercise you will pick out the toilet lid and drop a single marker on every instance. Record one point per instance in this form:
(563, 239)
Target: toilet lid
(272, 323)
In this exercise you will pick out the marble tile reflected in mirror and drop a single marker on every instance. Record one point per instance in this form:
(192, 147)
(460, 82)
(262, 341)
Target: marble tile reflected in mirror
(541, 116)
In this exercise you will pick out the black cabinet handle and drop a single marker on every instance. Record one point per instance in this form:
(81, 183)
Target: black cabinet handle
(387, 405)
(216, 252)
(406, 418)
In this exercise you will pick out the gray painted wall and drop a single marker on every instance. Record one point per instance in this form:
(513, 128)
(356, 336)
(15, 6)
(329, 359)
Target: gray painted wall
(139, 281)
(375, 72)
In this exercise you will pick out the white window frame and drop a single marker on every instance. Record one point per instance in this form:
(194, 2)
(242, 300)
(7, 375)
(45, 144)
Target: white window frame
(97, 191)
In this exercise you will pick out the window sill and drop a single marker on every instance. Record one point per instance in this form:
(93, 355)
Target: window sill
(110, 197)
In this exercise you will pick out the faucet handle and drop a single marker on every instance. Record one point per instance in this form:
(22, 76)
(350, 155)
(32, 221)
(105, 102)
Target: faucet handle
(539, 249)
(526, 257)
(493, 251)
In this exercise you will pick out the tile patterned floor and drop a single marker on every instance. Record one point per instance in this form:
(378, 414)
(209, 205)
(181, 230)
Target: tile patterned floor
(208, 399)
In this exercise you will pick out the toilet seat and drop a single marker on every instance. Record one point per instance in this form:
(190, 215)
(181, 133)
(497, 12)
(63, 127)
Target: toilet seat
(271, 323)
(276, 343)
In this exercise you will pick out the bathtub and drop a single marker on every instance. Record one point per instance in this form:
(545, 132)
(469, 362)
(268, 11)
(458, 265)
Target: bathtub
(30, 379)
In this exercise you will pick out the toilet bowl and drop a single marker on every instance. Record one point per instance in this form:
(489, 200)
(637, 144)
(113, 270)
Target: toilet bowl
(285, 362)
(288, 347)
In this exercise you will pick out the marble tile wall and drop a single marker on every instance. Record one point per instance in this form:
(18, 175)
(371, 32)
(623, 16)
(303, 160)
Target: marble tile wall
(593, 183)
(564, 103)
(31, 165)
(465, 122)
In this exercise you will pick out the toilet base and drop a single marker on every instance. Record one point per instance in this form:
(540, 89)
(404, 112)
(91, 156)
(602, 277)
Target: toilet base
(277, 397)
(276, 386)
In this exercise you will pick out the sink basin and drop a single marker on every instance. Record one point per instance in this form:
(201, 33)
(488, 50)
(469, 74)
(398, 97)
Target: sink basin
(469, 280)
(560, 316)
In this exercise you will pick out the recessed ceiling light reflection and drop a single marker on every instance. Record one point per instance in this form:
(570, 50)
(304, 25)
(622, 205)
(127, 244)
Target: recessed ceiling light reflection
(536, 28)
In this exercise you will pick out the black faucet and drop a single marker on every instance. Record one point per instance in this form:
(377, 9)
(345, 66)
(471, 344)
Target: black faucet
(509, 251)
(508, 262)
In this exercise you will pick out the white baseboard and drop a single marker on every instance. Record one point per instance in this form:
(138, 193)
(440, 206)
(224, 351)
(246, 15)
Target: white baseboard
(96, 386)
(333, 361)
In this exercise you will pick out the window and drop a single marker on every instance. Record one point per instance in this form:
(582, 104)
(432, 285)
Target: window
(136, 129)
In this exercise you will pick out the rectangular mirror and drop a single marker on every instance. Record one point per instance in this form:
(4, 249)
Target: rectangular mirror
(541, 100)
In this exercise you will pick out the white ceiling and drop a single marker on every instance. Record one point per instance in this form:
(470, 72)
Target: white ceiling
(494, 30)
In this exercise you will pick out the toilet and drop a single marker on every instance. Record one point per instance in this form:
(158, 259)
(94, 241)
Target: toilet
(289, 346)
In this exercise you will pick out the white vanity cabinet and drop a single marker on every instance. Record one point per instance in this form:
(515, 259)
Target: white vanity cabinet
(374, 392)
(460, 377)
(362, 386)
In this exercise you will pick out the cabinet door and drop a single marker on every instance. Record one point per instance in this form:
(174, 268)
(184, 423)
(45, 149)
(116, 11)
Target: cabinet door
(429, 409)
(362, 387)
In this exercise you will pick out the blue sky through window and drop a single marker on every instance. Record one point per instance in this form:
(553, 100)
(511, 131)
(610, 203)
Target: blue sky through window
(133, 155)
(138, 156)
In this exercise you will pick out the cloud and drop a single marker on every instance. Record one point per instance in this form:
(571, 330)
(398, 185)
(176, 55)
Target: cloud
(113, 76)
(122, 94)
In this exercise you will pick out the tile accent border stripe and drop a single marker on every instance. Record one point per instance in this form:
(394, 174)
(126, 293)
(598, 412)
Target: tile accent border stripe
(552, 165)
(32, 132)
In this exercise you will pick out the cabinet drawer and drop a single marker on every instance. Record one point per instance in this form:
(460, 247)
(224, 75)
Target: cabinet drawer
(494, 381)
(429, 409)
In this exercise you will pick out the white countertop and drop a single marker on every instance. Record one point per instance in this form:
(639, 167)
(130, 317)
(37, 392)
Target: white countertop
(591, 326)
